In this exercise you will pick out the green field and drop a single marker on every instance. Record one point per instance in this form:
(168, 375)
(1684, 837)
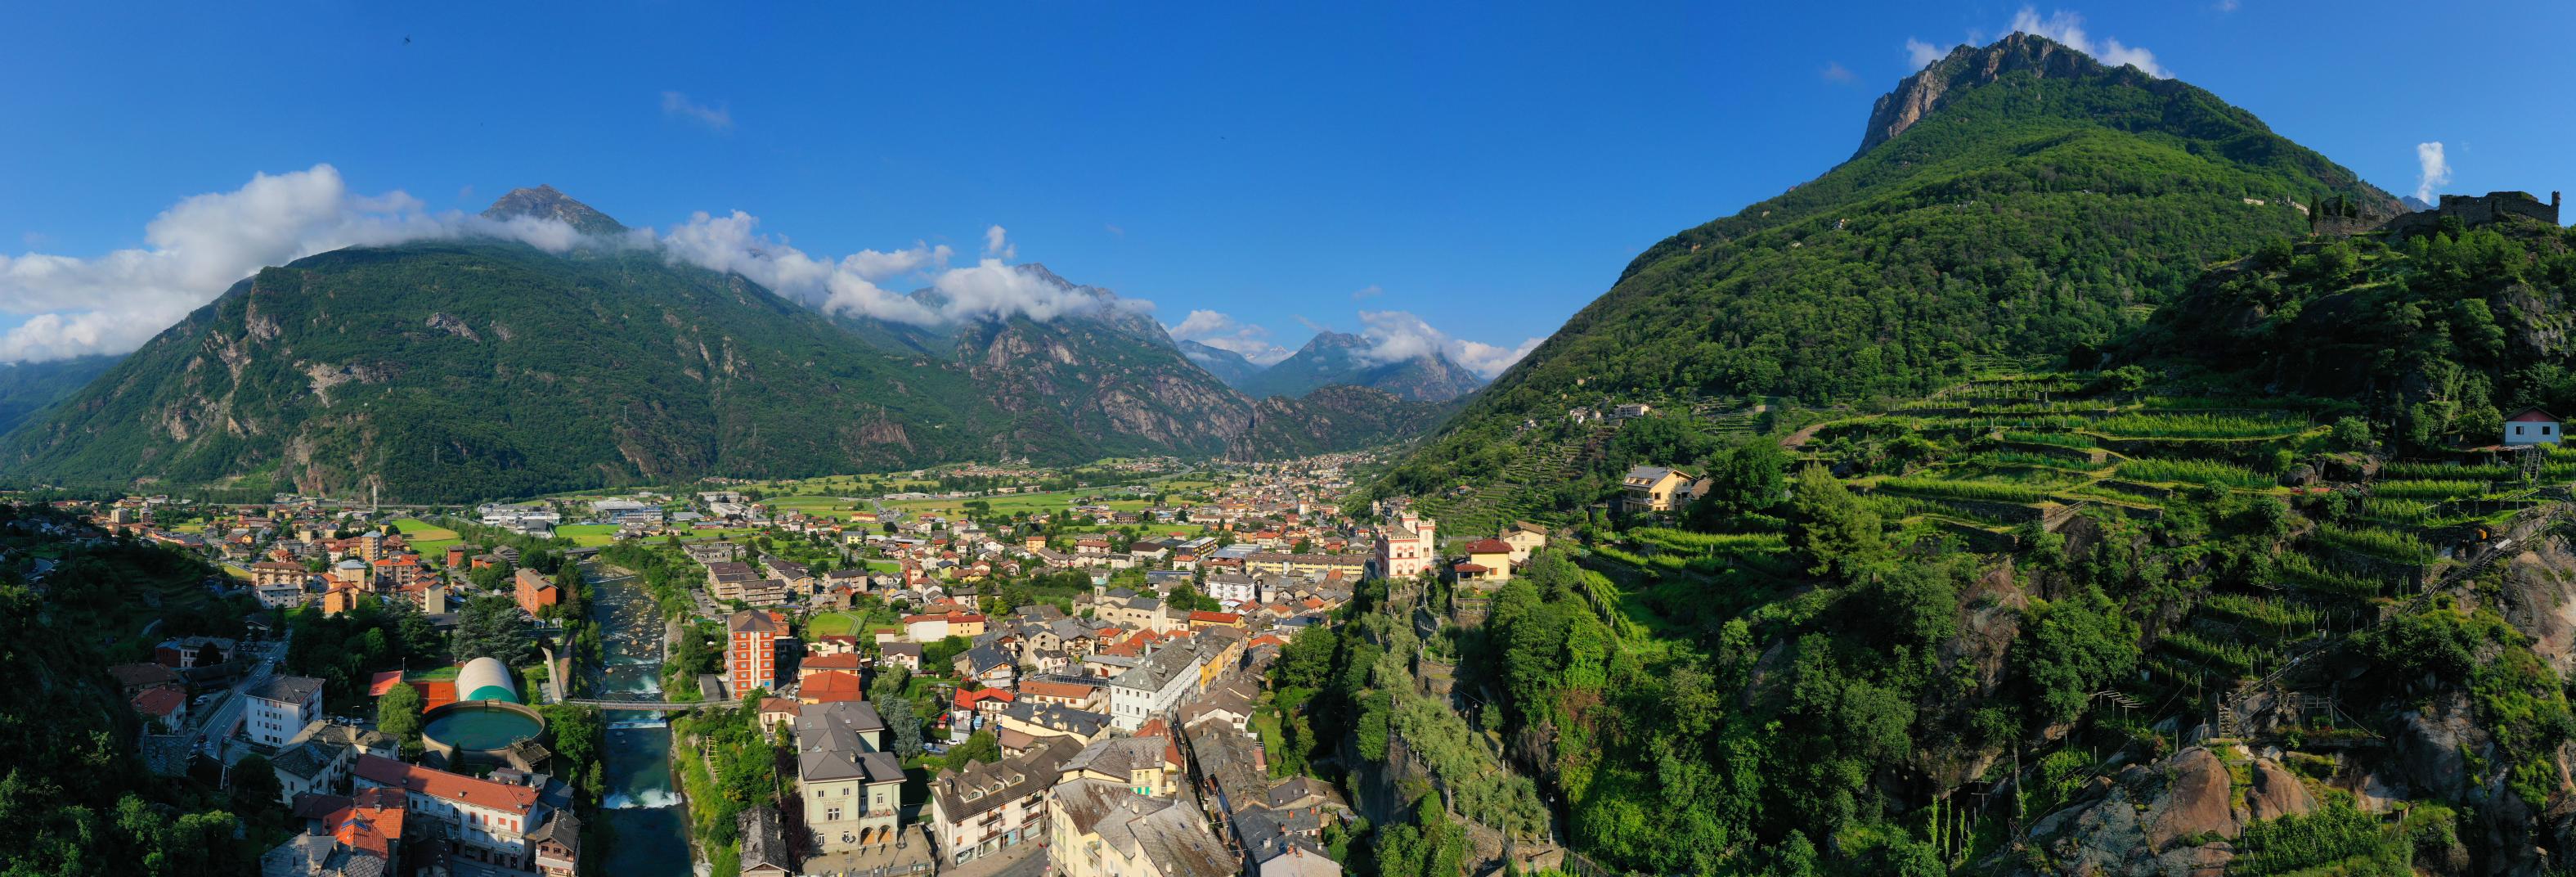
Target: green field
(588, 535)
(1032, 503)
(884, 566)
(425, 537)
(834, 507)
(831, 624)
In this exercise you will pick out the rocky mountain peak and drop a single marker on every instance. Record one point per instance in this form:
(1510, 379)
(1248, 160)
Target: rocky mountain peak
(1967, 67)
(545, 202)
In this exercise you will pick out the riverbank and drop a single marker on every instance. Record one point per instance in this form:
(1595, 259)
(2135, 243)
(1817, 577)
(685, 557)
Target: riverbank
(644, 809)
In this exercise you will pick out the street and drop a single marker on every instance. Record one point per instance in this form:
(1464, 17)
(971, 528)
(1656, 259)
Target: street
(228, 714)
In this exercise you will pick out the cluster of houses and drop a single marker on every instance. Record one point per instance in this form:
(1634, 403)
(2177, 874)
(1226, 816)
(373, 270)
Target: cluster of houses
(1123, 725)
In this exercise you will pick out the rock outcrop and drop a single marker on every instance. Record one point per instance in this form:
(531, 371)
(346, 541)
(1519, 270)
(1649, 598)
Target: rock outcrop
(2194, 804)
(1965, 67)
(2275, 793)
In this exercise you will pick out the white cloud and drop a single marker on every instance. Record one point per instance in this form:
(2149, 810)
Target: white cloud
(2435, 170)
(1223, 332)
(1399, 335)
(994, 290)
(1835, 72)
(2227, 5)
(2068, 28)
(678, 106)
(203, 245)
(1370, 291)
(1921, 53)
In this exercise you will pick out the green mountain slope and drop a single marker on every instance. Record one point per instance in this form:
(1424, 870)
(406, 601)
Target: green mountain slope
(457, 370)
(443, 371)
(27, 387)
(1332, 358)
(2441, 335)
(2033, 203)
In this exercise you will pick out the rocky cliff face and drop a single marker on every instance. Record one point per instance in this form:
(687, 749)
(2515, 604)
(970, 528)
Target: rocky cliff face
(1967, 67)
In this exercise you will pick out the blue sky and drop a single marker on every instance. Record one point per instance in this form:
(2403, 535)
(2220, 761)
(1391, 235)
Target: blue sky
(1488, 168)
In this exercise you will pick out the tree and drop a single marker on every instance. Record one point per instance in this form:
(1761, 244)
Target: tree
(255, 788)
(1840, 534)
(398, 714)
(938, 656)
(491, 626)
(980, 747)
(1746, 478)
(903, 725)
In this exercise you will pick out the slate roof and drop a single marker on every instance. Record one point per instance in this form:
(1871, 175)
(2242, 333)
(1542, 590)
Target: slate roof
(287, 689)
(830, 744)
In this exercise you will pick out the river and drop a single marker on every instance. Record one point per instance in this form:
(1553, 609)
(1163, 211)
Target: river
(647, 826)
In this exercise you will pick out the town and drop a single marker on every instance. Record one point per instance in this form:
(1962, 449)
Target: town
(982, 669)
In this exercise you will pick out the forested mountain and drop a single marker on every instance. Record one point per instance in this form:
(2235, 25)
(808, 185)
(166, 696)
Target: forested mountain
(1226, 365)
(1342, 358)
(452, 370)
(2441, 335)
(2018, 199)
(2193, 554)
(26, 387)
(475, 368)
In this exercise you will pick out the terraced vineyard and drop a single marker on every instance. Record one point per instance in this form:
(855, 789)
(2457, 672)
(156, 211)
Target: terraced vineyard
(2009, 452)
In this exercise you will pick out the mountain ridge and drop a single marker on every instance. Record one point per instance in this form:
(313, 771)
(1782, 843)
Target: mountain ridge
(1341, 358)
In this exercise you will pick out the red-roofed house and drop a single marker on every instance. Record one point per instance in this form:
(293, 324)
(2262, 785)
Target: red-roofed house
(1201, 620)
(489, 820)
(831, 686)
(2532, 427)
(170, 705)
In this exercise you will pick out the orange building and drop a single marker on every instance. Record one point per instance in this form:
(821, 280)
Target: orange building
(751, 650)
(535, 591)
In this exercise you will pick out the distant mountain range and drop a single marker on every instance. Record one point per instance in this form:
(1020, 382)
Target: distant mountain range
(457, 370)
(1341, 358)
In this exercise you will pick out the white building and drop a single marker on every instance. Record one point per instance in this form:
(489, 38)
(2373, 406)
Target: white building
(490, 820)
(1409, 546)
(279, 708)
(1232, 587)
(1153, 687)
(2531, 427)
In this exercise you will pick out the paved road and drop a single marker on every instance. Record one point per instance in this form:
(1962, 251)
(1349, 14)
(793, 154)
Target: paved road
(226, 717)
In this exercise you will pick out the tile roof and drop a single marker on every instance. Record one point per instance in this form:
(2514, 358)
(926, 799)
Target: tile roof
(446, 786)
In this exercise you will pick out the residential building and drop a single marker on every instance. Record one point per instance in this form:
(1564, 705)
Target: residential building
(278, 709)
(1153, 687)
(489, 820)
(751, 650)
(556, 846)
(987, 807)
(852, 788)
(1231, 588)
(2532, 427)
(534, 591)
(1653, 489)
(1103, 829)
(1524, 537)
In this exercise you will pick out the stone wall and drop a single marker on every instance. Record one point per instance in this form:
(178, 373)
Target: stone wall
(2472, 210)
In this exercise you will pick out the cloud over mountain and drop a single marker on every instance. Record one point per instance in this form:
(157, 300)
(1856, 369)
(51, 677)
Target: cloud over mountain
(1395, 336)
(1223, 332)
(203, 244)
